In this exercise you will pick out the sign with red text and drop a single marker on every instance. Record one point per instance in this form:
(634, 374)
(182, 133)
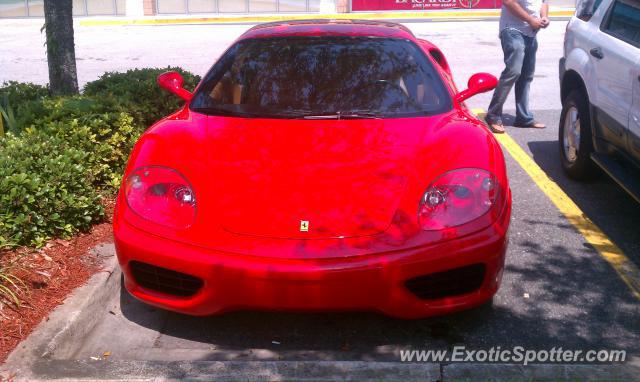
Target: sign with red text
(421, 5)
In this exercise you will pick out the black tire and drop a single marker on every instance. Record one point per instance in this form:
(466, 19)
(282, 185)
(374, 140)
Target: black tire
(576, 156)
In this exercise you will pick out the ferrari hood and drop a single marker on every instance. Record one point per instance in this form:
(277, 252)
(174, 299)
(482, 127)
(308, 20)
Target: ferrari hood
(309, 179)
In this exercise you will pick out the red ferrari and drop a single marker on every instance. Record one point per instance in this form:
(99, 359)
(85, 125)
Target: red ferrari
(319, 165)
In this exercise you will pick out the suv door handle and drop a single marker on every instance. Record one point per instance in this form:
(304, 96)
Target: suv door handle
(597, 53)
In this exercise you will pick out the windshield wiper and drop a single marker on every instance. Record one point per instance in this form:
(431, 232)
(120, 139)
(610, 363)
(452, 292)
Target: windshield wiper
(292, 114)
(222, 112)
(353, 114)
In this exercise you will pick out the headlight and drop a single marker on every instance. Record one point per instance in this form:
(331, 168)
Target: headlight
(458, 197)
(161, 195)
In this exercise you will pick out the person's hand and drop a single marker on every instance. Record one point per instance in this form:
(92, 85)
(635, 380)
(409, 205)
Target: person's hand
(536, 23)
(545, 22)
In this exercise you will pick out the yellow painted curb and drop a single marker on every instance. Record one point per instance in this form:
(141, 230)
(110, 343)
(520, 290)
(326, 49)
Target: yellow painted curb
(626, 269)
(433, 15)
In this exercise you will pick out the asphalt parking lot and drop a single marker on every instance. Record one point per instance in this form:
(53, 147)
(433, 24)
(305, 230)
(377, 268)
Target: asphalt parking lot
(557, 291)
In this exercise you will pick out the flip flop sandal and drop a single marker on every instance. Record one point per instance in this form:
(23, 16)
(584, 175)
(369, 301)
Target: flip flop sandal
(496, 128)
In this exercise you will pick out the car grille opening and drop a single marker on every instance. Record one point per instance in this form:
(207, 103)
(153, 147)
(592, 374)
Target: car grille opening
(448, 283)
(164, 280)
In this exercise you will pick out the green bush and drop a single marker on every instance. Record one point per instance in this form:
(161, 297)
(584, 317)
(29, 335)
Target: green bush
(64, 109)
(92, 125)
(54, 173)
(63, 154)
(16, 99)
(18, 92)
(107, 139)
(137, 91)
(46, 190)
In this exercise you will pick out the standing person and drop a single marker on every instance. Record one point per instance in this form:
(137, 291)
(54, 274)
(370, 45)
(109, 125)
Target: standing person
(520, 21)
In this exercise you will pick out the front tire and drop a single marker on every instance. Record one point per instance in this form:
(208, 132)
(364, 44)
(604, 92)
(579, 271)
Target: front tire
(574, 136)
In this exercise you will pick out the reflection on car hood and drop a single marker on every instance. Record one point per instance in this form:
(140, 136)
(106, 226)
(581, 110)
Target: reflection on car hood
(309, 178)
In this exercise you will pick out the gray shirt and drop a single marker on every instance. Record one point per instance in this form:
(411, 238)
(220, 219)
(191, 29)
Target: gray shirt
(509, 20)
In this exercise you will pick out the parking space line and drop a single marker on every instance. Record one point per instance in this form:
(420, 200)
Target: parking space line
(625, 268)
(433, 15)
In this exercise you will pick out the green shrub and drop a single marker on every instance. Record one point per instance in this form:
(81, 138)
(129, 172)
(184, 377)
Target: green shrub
(18, 92)
(138, 92)
(53, 174)
(91, 125)
(46, 190)
(48, 110)
(64, 154)
(15, 99)
(106, 138)
(67, 108)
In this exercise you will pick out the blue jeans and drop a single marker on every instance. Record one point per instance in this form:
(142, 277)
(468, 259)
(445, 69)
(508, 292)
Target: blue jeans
(520, 61)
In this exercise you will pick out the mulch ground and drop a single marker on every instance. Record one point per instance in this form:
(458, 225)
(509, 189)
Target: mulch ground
(49, 274)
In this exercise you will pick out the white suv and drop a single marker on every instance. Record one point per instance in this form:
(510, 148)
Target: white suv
(600, 92)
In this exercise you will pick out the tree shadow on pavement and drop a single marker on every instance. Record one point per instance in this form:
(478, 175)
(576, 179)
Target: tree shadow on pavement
(601, 199)
(574, 302)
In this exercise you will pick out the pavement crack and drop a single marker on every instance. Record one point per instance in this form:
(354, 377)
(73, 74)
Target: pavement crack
(161, 329)
(442, 366)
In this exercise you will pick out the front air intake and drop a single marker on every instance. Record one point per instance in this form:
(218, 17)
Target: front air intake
(449, 283)
(164, 280)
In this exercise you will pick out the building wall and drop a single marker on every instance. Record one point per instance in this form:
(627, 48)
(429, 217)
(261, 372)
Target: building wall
(149, 7)
(35, 8)
(136, 8)
(240, 6)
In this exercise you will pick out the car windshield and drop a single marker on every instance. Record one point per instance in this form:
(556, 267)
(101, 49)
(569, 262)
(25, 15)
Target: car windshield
(322, 77)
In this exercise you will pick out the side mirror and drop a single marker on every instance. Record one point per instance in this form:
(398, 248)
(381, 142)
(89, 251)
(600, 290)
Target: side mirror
(172, 81)
(478, 83)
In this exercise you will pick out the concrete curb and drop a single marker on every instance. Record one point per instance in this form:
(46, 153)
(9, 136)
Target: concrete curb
(100, 370)
(461, 14)
(240, 371)
(98, 291)
(629, 371)
(70, 321)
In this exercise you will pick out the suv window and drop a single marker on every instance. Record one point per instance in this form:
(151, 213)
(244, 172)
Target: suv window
(298, 77)
(585, 9)
(623, 21)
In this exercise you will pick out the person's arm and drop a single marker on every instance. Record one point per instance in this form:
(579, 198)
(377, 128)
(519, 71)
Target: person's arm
(517, 10)
(544, 14)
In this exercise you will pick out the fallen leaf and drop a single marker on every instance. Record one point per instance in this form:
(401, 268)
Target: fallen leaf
(43, 273)
(64, 243)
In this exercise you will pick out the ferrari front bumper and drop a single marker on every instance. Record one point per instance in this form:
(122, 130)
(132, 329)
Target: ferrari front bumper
(375, 282)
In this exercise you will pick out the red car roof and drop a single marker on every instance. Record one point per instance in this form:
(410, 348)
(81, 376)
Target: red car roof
(327, 27)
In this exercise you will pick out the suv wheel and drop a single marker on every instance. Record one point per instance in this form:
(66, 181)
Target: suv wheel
(575, 136)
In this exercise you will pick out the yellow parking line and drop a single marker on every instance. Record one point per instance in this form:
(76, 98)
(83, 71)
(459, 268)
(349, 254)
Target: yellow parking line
(625, 268)
(429, 15)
